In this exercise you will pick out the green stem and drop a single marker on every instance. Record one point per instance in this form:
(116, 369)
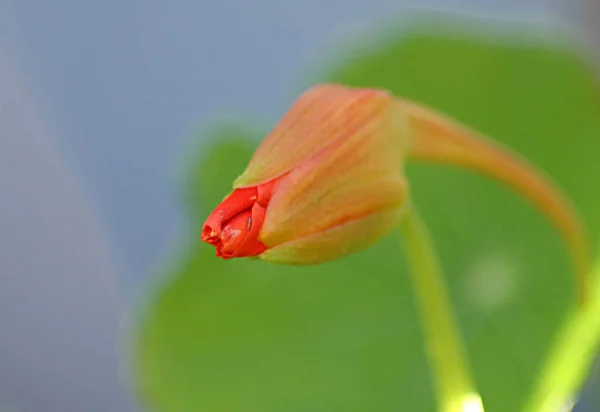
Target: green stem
(570, 358)
(455, 388)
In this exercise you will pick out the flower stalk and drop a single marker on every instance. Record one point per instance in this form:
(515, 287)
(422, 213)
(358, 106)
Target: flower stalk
(455, 388)
(570, 358)
(441, 139)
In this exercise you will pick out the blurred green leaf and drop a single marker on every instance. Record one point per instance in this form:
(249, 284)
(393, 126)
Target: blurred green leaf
(248, 336)
(541, 101)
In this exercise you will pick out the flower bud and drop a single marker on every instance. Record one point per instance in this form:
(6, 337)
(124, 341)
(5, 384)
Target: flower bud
(326, 182)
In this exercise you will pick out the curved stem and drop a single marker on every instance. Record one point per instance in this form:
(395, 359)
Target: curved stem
(455, 388)
(440, 139)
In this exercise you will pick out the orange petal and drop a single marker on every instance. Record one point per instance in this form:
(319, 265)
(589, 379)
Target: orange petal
(358, 175)
(319, 117)
(339, 241)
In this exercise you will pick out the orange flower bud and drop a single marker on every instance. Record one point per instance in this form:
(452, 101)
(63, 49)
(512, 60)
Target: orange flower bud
(327, 181)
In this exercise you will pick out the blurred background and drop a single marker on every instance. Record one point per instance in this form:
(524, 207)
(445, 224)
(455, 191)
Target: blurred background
(122, 124)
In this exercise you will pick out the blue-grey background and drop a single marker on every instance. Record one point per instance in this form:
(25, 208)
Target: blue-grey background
(98, 101)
